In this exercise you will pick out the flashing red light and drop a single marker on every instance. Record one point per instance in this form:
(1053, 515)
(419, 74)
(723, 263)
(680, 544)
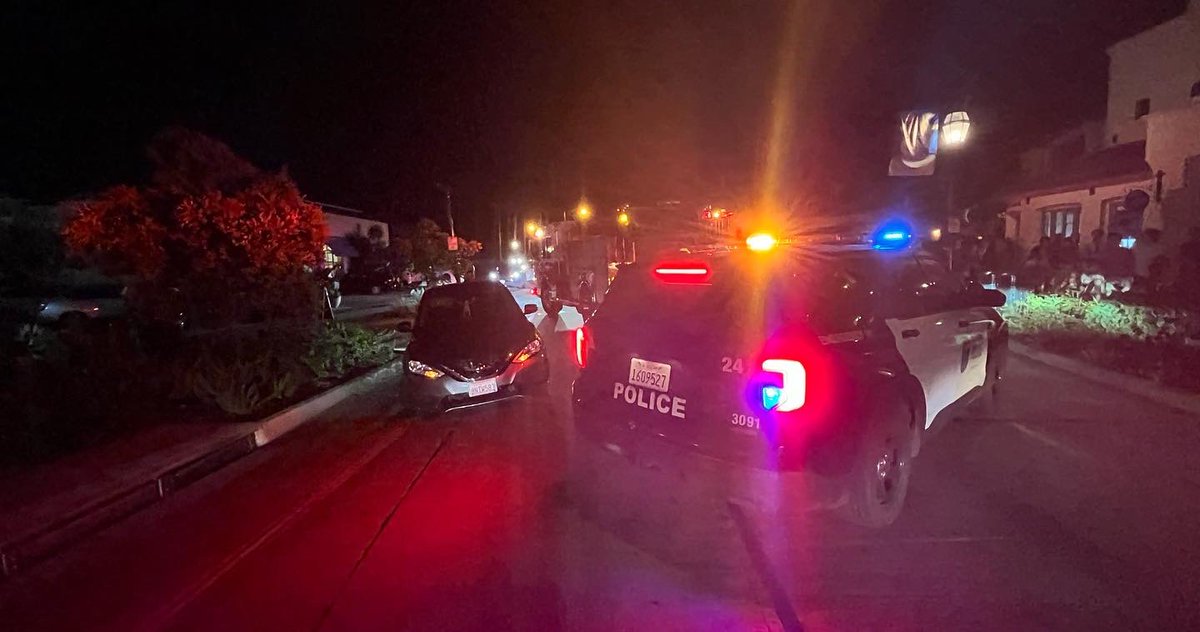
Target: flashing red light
(683, 272)
(535, 291)
(583, 344)
(791, 392)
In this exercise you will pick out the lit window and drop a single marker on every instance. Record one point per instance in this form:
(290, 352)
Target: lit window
(1061, 220)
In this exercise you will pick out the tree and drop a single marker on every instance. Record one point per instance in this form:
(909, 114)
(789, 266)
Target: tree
(234, 241)
(427, 247)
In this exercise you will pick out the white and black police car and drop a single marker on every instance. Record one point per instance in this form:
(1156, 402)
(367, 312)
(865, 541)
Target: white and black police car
(826, 361)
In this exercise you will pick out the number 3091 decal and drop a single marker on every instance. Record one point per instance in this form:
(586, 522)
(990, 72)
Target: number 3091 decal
(746, 421)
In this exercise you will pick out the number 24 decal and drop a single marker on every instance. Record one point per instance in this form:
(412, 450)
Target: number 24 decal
(731, 365)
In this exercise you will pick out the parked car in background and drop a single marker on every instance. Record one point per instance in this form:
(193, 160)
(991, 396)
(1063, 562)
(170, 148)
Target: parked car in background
(371, 281)
(64, 305)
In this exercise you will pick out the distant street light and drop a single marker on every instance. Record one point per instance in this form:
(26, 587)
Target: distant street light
(531, 227)
(583, 212)
(539, 232)
(623, 218)
(515, 245)
(955, 127)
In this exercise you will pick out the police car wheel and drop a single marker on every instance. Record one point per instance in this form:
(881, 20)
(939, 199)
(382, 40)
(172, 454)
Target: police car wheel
(877, 482)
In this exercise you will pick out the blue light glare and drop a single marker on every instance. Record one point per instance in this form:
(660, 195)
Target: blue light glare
(771, 396)
(892, 235)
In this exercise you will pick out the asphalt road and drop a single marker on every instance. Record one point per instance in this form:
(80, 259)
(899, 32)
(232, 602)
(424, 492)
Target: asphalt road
(1066, 506)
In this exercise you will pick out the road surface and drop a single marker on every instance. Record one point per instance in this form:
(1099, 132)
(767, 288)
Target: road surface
(1066, 506)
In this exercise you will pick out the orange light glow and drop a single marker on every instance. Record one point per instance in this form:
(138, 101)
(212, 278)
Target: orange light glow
(760, 242)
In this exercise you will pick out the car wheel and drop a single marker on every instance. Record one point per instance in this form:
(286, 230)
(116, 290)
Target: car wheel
(877, 482)
(552, 307)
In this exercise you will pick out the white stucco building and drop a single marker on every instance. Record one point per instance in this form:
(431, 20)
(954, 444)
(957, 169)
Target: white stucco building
(348, 222)
(1147, 147)
(1157, 70)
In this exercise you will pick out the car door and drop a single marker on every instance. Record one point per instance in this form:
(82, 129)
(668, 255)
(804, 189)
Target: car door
(968, 327)
(914, 311)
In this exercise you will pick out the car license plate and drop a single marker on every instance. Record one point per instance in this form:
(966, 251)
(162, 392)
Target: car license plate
(652, 375)
(482, 387)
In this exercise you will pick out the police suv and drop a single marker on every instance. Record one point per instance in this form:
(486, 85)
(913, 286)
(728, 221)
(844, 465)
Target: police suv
(834, 360)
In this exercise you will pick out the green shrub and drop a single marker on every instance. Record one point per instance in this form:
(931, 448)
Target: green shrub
(339, 348)
(1057, 313)
(243, 375)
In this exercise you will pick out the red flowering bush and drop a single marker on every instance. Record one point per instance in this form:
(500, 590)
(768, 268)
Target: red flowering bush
(234, 241)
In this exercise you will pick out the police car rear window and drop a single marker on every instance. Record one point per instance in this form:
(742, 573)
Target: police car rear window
(824, 296)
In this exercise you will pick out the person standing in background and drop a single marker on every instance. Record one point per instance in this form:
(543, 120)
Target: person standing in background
(1148, 261)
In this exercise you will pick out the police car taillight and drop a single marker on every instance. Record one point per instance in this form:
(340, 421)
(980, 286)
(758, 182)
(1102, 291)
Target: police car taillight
(789, 387)
(689, 272)
(583, 346)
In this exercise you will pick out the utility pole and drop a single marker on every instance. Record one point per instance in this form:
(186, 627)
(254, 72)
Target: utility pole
(449, 211)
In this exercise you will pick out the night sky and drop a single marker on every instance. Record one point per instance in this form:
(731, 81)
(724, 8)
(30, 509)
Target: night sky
(524, 106)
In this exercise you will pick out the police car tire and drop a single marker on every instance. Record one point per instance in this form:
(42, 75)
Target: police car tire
(889, 434)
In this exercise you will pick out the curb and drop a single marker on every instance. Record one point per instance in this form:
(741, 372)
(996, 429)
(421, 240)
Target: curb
(29, 548)
(1140, 386)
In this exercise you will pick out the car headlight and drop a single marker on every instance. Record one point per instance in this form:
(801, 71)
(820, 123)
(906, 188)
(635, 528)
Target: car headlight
(420, 368)
(530, 350)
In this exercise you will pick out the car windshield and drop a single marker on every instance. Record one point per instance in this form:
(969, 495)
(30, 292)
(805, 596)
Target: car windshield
(465, 309)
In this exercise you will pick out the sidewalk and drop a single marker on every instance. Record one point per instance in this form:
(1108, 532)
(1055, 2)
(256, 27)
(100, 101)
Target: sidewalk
(362, 307)
(47, 507)
(39, 496)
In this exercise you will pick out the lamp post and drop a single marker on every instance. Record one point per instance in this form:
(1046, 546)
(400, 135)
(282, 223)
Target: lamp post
(623, 224)
(583, 213)
(955, 129)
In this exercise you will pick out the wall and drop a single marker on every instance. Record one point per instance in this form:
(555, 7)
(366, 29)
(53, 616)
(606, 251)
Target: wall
(340, 225)
(1173, 147)
(1085, 138)
(1089, 212)
(1160, 64)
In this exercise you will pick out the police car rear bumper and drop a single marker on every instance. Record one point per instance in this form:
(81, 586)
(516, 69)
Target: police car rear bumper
(660, 471)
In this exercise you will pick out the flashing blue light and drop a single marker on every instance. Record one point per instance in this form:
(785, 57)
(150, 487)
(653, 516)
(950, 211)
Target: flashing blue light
(893, 235)
(771, 396)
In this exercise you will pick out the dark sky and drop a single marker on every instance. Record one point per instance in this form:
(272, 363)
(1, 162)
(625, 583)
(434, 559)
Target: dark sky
(524, 106)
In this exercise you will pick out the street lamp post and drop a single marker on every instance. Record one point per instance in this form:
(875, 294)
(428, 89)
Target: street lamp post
(955, 129)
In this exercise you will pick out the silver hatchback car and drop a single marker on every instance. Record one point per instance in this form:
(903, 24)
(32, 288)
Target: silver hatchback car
(472, 345)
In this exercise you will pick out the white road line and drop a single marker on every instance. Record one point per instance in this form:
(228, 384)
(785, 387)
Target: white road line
(1046, 439)
(959, 539)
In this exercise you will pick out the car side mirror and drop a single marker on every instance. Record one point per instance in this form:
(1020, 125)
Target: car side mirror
(530, 308)
(978, 296)
(404, 327)
(993, 298)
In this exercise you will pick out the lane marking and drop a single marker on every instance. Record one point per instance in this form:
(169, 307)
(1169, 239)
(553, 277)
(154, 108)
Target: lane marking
(1047, 440)
(758, 558)
(379, 532)
(959, 539)
(191, 593)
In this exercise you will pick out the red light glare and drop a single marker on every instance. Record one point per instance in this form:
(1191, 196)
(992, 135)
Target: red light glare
(583, 342)
(683, 272)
